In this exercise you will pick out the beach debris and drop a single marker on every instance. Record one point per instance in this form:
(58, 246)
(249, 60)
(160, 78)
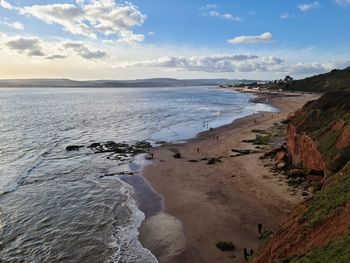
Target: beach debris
(213, 161)
(260, 131)
(225, 245)
(177, 155)
(160, 142)
(73, 148)
(192, 161)
(204, 159)
(149, 156)
(259, 140)
(243, 152)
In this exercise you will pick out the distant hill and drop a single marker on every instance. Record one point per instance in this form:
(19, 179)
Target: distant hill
(155, 82)
(331, 81)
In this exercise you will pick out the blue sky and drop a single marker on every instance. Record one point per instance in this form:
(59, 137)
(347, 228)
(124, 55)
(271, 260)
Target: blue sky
(109, 39)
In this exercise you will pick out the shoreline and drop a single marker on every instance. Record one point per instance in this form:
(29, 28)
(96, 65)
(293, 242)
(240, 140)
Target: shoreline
(204, 204)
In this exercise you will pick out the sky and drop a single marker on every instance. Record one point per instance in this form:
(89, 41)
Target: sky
(112, 39)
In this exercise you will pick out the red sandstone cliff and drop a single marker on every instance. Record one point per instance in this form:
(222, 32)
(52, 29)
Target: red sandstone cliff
(304, 152)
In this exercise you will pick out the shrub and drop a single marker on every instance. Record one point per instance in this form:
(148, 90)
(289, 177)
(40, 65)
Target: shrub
(177, 155)
(261, 140)
(225, 245)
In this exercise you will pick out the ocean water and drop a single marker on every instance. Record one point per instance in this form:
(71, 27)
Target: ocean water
(56, 206)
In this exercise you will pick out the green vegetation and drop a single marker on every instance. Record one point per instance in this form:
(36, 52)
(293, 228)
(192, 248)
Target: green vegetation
(317, 121)
(244, 152)
(336, 251)
(266, 235)
(333, 196)
(334, 80)
(261, 140)
(225, 245)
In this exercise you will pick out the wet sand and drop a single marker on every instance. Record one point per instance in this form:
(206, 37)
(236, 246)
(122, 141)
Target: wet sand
(204, 204)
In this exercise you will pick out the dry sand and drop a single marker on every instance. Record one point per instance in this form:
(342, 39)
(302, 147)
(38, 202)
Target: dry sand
(204, 204)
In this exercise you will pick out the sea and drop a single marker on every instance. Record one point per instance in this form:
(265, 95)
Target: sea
(58, 206)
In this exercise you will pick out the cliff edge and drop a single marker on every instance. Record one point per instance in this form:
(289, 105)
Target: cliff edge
(318, 230)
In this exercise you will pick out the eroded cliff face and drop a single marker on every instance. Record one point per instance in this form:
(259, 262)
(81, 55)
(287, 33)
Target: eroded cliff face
(304, 152)
(318, 230)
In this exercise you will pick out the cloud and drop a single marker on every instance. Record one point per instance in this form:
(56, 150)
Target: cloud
(210, 10)
(91, 17)
(84, 51)
(285, 16)
(317, 67)
(28, 46)
(15, 25)
(5, 4)
(208, 7)
(342, 2)
(309, 6)
(263, 38)
(56, 57)
(39, 48)
(215, 63)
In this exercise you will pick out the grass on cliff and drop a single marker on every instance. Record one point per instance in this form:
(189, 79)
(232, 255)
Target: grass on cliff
(334, 196)
(336, 251)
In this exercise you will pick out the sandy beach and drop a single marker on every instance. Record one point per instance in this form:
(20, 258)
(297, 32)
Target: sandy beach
(225, 201)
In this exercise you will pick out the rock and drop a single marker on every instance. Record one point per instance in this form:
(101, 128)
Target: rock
(304, 151)
(280, 165)
(94, 145)
(280, 156)
(296, 173)
(192, 161)
(213, 161)
(225, 245)
(143, 144)
(304, 194)
(160, 142)
(177, 155)
(149, 156)
(73, 148)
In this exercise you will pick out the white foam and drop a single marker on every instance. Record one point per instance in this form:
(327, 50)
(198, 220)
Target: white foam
(126, 243)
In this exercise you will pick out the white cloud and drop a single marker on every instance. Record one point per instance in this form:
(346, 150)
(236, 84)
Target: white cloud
(263, 38)
(343, 2)
(91, 17)
(309, 6)
(285, 16)
(211, 10)
(5, 4)
(215, 63)
(39, 48)
(208, 7)
(317, 67)
(15, 25)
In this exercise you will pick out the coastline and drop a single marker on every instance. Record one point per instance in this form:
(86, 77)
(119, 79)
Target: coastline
(204, 204)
